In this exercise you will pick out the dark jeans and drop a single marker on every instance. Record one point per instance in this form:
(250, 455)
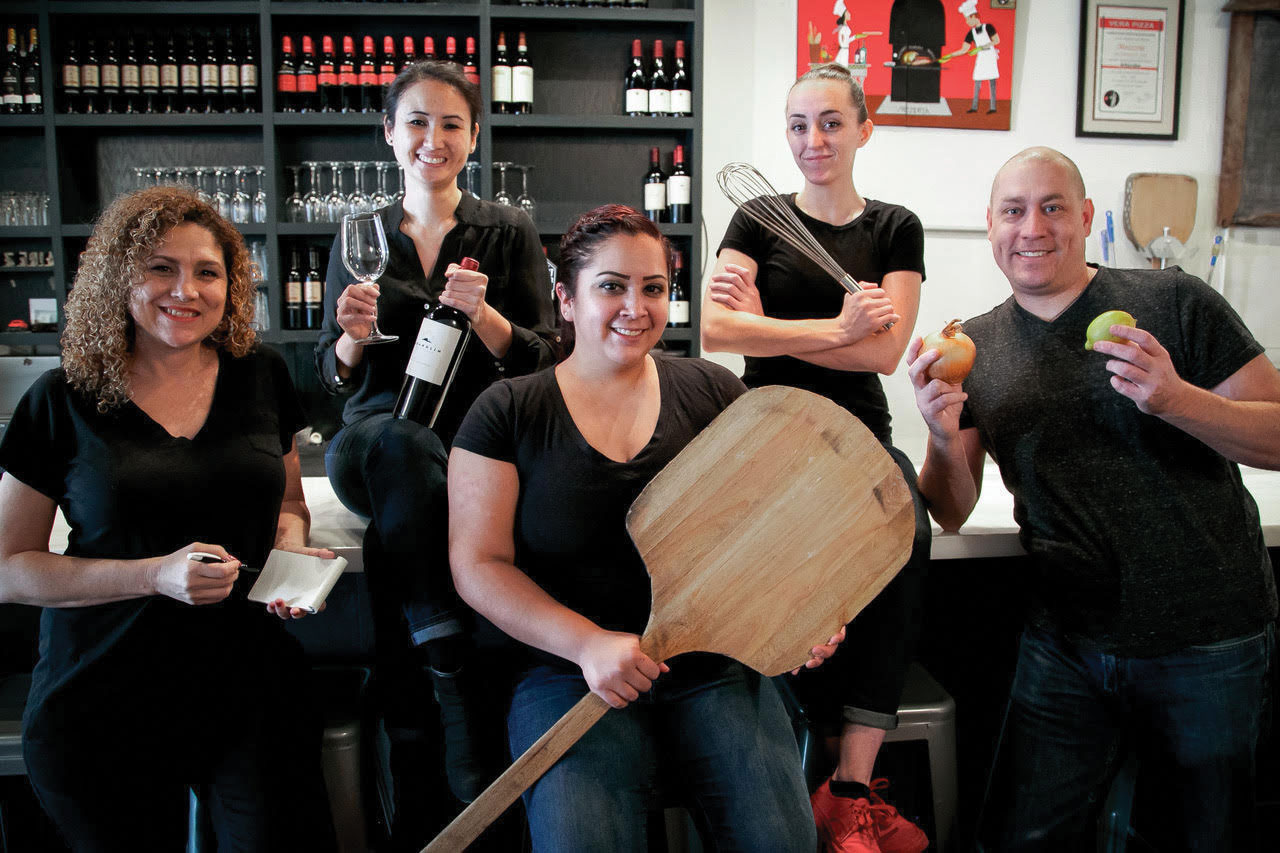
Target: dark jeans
(393, 473)
(711, 724)
(1193, 716)
(862, 682)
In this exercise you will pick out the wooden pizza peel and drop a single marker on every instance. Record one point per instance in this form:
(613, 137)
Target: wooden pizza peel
(1154, 201)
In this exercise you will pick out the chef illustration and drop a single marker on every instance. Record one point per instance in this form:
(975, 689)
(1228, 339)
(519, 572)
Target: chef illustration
(844, 33)
(982, 39)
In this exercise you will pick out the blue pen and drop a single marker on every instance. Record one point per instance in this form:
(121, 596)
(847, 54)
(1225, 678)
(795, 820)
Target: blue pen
(1106, 257)
(1111, 230)
(1213, 259)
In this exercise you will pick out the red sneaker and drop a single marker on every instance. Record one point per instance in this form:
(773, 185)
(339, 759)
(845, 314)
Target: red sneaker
(844, 825)
(894, 832)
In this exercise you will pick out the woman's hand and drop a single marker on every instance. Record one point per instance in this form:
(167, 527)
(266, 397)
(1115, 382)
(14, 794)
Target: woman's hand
(735, 288)
(939, 402)
(615, 668)
(357, 308)
(279, 607)
(193, 582)
(818, 654)
(464, 290)
(865, 313)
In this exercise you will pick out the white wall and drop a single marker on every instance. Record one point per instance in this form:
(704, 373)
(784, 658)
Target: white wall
(944, 175)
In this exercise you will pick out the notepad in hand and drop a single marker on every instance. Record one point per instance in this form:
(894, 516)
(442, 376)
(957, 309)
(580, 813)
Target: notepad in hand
(301, 580)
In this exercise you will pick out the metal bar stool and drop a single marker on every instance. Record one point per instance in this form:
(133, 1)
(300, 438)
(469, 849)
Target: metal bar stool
(928, 713)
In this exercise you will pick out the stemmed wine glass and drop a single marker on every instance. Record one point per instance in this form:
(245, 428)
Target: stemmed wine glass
(502, 196)
(364, 254)
(380, 198)
(295, 209)
(525, 201)
(241, 201)
(359, 201)
(221, 199)
(336, 200)
(314, 202)
(260, 195)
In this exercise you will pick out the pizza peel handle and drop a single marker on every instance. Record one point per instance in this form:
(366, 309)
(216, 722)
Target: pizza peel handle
(773, 528)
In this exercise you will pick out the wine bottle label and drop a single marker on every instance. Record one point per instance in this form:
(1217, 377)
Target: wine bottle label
(655, 196)
(168, 76)
(502, 83)
(433, 351)
(307, 83)
(313, 291)
(387, 75)
(293, 292)
(11, 97)
(33, 98)
(71, 76)
(248, 76)
(678, 312)
(327, 76)
(89, 76)
(681, 102)
(659, 100)
(522, 84)
(111, 76)
(637, 100)
(287, 83)
(368, 75)
(209, 76)
(679, 189)
(130, 77)
(191, 76)
(230, 77)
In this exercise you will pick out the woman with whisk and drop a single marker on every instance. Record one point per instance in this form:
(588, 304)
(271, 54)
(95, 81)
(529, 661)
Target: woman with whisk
(774, 304)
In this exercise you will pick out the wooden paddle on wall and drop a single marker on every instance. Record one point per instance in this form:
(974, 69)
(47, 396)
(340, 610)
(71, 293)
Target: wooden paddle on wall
(774, 527)
(1154, 201)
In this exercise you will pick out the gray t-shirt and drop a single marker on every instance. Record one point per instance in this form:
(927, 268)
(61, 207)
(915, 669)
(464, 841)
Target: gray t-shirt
(1144, 540)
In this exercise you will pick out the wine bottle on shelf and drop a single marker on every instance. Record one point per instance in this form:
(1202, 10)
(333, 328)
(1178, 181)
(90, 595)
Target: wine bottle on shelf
(287, 78)
(428, 48)
(130, 78)
(308, 78)
(149, 79)
(348, 79)
(451, 50)
(678, 312)
(11, 76)
(681, 93)
(386, 67)
(210, 78)
(109, 79)
(293, 295)
(71, 78)
(470, 67)
(229, 75)
(522, 79)
(327, 78)
(249, 90)
(679, 189)
(655, 188)
(367, 75)
(90, 79)
(437, 353)
(636, 84)
(501, 77)
(410, 53)
(313, 292)
(32, 91)
(170, 100)
(659, 84)
(189, 76)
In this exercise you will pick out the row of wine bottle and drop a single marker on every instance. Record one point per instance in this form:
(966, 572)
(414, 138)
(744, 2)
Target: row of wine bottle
(657, 93)
(668, 198)
(194, 73)
(20, 75)
(512, 79)
(347, 83)
(304, 291)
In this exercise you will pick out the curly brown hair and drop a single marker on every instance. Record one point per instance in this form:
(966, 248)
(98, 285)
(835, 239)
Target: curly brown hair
(97, 341)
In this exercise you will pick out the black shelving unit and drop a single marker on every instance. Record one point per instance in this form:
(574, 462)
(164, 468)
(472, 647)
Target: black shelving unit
(584, 151)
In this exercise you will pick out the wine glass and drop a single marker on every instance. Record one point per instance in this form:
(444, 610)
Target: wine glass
(502, 196)
(295, 209)
(525, 201)
(241, 201)
(221, 199)
(364, 254)
(336, 200)
(381, 198)
(260, 195)
(400, 192)
(313, 202)
(359, 200)
(202, 191)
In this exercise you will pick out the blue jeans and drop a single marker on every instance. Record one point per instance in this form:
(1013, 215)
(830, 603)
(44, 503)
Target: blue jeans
(712, 725)
(1193, 717)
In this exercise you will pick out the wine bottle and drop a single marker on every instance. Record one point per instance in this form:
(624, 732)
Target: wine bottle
(249, 73)
(636, 84)
(71, 79)
(313, 292)
(679, 189)
(90, 79)
(11, 76)
(471, 68)
(387, 66)
(32, 93)
(655, 188)
(410, 53)
(327, 78)
(109, 79)
(308, 78)
(149, 79)
(428, 48)
(437, 353)
(367, 76)
(451, 50)
(678, 312)
(189, 76)
(681, 93)
(522, 79)
(130, 78)
(659, 84)
(501, 77)
(287, 78)
(210, 78)
(348, 79)
(170, 79)
(293, 295)
(229, 75)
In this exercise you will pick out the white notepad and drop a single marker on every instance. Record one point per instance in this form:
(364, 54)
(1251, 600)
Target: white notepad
(301, 580)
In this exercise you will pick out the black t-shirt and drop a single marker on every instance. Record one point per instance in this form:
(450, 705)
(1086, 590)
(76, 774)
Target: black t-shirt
(505, 243)
(130, 490)
(1144, 539)
(885, 238)
(570, 525)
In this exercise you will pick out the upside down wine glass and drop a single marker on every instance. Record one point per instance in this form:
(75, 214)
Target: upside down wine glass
(364, 254)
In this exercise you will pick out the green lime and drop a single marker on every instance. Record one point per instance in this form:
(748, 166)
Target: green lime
(1100, 328)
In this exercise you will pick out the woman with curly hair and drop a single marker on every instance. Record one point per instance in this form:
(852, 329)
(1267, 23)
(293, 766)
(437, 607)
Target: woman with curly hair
(165, 432)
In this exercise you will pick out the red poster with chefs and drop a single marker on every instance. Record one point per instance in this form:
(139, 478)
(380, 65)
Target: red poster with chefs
(923, 63)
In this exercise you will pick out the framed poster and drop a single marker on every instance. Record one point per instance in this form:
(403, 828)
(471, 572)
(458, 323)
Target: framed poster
(1130, 68)
(922, 63)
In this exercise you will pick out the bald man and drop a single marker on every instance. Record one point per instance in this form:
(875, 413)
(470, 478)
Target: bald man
(1154, 598)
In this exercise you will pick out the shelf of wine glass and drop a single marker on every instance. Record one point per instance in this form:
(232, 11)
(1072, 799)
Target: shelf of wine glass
(248, 229)
(151, 7)
(159, 120)
(552, 224)
(564, 121)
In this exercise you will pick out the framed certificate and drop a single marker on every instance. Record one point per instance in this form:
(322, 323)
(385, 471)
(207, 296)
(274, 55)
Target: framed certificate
(1130, 68)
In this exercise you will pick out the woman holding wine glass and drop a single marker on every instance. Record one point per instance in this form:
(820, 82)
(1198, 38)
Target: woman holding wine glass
(393, 470)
